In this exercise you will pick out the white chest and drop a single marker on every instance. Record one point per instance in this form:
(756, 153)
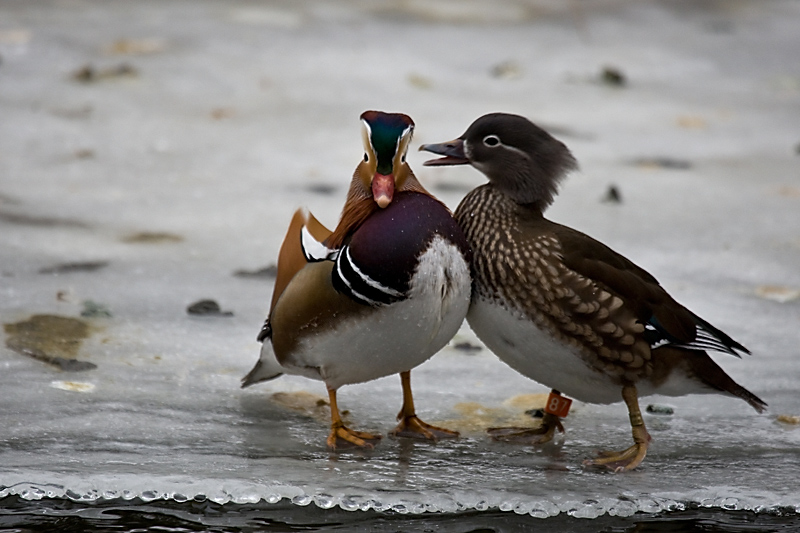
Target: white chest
(395, 337)
(535, 353)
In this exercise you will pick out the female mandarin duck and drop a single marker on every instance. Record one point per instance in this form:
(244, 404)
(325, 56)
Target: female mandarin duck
(382, 293)
(562, 308)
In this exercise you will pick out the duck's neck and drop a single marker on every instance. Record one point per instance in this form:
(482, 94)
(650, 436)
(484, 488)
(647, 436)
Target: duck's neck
(360, 205)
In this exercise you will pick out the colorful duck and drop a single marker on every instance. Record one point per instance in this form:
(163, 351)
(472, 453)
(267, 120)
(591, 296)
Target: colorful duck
(379, 295)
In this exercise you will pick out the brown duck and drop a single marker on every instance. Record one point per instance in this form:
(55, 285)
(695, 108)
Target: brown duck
(560, 307)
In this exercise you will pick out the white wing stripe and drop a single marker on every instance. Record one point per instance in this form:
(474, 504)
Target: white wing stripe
(355, 293)
(368, 280)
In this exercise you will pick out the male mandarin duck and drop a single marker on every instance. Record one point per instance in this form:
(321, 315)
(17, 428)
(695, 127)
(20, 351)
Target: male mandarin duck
(379, 295)
(560, 307)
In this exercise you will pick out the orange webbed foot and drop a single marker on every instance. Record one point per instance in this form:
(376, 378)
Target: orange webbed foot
(627, 459)
(623, 461)
(412, 427)
(342, 438)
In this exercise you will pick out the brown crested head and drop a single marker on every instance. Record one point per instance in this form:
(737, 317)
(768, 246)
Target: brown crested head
(521, 159)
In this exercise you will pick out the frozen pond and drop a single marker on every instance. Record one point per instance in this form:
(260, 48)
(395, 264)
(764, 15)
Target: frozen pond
(151, 156)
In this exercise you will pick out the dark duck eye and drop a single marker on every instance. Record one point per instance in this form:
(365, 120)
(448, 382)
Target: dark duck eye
(366, 158)
(491, 140)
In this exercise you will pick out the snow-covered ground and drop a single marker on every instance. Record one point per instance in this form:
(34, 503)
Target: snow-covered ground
(151, 151)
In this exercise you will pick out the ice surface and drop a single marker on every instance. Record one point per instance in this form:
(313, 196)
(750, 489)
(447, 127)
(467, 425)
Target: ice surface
(202, 126)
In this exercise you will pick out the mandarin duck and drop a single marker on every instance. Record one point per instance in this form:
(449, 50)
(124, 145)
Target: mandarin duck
(560, 307)
(379, 295)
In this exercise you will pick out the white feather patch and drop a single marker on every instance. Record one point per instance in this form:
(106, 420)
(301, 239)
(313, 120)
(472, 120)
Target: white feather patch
(314, 250)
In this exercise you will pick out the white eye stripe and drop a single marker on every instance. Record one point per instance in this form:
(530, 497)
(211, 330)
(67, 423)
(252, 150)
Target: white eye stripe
(403, 141)
(367, 128)
(369, 150)
(468, 151)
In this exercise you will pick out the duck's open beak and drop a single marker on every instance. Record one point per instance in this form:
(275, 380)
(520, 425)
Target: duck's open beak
(453, 152)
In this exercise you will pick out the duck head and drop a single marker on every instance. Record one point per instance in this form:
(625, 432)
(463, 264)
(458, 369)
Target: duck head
(386, 139)
(381, 174)
(518, 157)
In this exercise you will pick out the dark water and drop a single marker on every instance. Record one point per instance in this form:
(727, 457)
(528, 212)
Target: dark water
(22, 516)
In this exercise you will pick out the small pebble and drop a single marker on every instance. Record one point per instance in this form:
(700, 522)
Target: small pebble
(92, 309)
(467, 347)
(207, 308)
(34, 220)
(322, 188)
(660, 409)
(613, 77)
(151, 237)
(509, 70)
(90, 74)
(613, 196)
(419, 81)
(67, 268)
(663, 162)
(71, 365)
(269, 271)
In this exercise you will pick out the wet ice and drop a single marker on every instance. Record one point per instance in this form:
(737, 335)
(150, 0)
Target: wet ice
(234, 120)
